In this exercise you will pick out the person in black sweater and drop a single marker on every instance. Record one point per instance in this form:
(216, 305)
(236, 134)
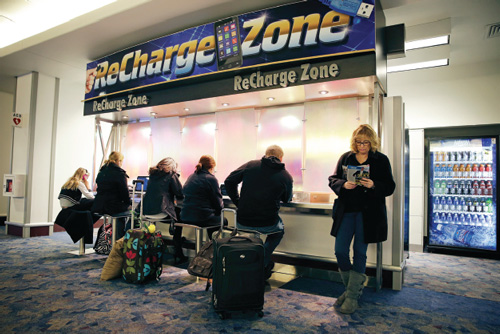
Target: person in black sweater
(266, 183)
(359, 212)
(163, 189)
(112, 191)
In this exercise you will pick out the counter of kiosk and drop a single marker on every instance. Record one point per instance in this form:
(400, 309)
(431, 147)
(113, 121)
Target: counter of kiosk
(307, 248)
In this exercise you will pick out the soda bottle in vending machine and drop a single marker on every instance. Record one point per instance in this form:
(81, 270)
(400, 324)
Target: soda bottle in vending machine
(481, 171)
(465, 156)
(475, 170)
(489, 205)
(488, 171)
(454, 172)
(459, 156)
(463, 205)
(442, 203)
(468, 170)
(475, 188)
(461, 171)
(436, 203)
(437, 170)
(482, 188)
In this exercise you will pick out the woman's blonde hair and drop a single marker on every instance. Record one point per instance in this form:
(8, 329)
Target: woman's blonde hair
(365, 132)
(75, 180)
(114, 157)
(168, 165)
(206, 162)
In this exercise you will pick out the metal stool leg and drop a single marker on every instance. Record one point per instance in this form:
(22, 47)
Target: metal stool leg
(199, 239)
(82, 246)
(113, 230)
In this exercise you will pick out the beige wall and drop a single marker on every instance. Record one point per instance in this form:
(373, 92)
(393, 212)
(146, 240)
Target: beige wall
(6, 110)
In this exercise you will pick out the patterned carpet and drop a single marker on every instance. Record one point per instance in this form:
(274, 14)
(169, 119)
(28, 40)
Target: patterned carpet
(45, 289)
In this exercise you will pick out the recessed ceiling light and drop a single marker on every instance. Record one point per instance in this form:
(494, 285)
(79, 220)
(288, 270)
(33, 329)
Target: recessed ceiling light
(225, 104)
(425, 43)
(153, 114)
(323, 92)
(186, 109)
(417, 66)
(125, 117)
(270, 98)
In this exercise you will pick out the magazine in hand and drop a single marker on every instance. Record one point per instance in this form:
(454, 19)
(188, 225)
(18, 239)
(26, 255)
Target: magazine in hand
(356, 173)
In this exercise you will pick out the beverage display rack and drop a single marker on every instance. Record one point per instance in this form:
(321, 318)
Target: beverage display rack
(462, 188)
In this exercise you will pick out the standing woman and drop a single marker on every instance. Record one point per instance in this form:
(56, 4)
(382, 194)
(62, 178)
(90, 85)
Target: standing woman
(203, 202)
(360, 211)
(112, 191)
(159, 202)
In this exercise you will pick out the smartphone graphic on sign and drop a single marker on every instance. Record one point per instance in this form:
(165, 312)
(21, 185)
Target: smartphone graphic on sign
(227, 39)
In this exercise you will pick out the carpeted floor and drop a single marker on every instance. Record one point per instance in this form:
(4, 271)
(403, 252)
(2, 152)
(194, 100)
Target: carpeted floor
(45, 289)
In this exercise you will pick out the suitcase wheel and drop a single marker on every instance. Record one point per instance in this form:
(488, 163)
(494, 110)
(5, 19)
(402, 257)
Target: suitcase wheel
(223, 315)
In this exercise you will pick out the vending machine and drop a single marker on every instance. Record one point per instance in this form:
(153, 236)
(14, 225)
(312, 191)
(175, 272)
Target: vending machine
(462, 208)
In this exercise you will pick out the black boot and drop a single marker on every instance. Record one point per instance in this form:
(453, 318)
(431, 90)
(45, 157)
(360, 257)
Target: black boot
(179, 256)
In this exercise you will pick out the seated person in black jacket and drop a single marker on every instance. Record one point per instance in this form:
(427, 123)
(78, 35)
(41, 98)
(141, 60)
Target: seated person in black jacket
(159, 202)
(202, 203)
(266, 183)
(112, 191)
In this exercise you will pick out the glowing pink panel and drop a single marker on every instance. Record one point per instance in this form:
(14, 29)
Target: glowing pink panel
(328, 132)
(197, 139)
(283, 126)
(166, 139)
(236, 140)
(135, 148)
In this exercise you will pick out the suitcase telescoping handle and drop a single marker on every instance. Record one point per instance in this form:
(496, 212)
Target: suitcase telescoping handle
(235, 230)
(141, 182)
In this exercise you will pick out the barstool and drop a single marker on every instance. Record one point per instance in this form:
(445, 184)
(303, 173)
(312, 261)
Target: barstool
(198, 236)
(112, 218)
(154, 219)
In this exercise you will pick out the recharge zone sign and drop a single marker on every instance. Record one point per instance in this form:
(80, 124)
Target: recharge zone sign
(307, 29)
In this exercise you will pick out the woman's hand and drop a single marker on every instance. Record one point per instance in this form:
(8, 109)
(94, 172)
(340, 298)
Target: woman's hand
(367, 183)
(350, 185)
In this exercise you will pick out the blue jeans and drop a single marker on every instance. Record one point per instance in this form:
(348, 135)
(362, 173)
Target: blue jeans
(272, 240)
(351, 227)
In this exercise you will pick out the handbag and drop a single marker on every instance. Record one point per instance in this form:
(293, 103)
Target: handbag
(103, 242)
(201, 264)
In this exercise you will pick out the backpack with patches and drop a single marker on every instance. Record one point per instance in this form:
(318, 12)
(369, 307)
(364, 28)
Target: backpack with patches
(142, 252)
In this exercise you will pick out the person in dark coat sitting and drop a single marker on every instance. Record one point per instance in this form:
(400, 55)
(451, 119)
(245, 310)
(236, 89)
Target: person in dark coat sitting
(203, 202)
(163, 189)
(112, 191)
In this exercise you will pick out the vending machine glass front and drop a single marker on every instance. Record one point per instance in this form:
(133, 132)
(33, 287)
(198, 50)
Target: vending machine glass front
(462, 196)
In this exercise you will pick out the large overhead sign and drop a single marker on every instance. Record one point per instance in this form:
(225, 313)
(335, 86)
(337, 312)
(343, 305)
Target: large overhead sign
(297, 32)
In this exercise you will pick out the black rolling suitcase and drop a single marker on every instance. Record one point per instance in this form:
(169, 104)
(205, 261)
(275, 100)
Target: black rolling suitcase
(238, 274)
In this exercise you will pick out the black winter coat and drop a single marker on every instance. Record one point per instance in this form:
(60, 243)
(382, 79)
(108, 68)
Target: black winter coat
(371, 201)
(160, 196)
(112, 190)
(202, 197)
(266, 183)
